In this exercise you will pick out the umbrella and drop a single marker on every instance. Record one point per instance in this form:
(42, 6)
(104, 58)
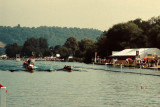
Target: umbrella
(138, 59)
(144, 58)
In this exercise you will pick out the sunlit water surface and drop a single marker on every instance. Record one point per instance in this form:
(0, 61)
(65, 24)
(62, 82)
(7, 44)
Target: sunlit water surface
(87, 86)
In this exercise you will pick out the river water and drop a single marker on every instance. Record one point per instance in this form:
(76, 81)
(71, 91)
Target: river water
(86, 86)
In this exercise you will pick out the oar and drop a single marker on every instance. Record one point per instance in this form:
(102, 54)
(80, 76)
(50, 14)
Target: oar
(72, 70)
(12, 70)
(15, 70)
(49, 70)
(63, 70)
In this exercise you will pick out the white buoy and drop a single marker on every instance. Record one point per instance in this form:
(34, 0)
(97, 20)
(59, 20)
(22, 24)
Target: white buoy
(3, 97)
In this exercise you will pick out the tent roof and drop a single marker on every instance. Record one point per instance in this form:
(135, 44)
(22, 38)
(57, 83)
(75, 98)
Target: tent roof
(132, 52)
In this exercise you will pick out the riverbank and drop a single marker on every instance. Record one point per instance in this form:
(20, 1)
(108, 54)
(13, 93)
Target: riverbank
(131, 66)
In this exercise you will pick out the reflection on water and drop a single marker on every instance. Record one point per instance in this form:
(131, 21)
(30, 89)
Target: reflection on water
(94, 88)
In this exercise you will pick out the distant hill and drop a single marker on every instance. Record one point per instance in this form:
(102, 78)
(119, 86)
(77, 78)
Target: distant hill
(54, 35)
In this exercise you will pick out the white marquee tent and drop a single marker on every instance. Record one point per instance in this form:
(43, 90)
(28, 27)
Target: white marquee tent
(142, 52)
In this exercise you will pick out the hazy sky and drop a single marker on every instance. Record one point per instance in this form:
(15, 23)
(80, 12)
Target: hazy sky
(98, 14)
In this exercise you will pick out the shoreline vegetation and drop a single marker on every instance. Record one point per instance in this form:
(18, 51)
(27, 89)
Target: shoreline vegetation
(132, 34)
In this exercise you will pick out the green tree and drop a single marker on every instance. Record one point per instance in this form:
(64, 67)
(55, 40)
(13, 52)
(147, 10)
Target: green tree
(101, 45)
(84, 45)
(38, 46)
(56, 48)
(43, 46)
(31, 45)
(12, 50)
(64, 52)
(121, 36)
(153, 37)
(43, 43)
(89, 55)
(72, 43)
(144, 25)
(154, 20)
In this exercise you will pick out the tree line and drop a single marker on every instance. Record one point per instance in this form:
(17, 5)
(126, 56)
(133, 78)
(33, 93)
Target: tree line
(38, 47)
(132, 34)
